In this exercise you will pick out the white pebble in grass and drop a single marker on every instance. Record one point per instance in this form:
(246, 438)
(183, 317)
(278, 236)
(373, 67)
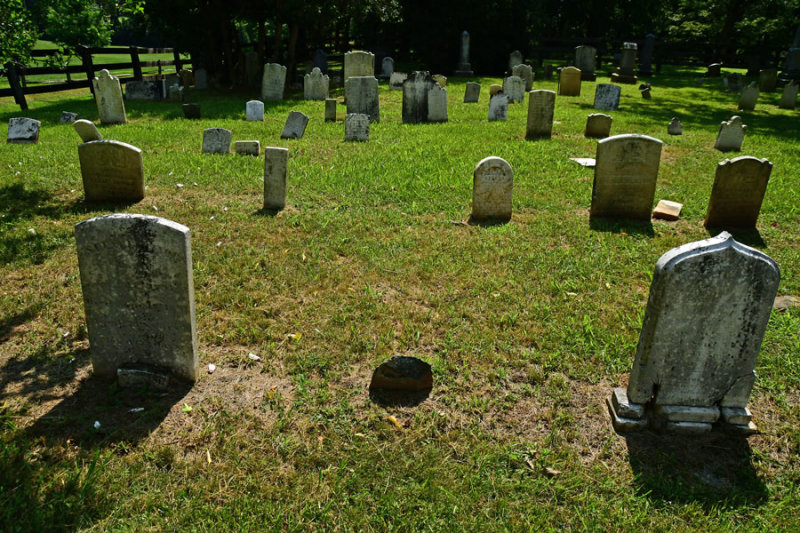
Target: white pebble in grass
(211, 368)
(254, 357)
(96, 424)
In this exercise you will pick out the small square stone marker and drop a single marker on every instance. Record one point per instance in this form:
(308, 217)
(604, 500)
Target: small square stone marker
(247, 147)
(330, 110)
(356, 127)
(667, 210)
(217, 141)
(23, 130)
(276, 166)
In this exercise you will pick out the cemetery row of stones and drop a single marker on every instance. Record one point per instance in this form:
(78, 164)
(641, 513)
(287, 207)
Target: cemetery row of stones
(694, 366)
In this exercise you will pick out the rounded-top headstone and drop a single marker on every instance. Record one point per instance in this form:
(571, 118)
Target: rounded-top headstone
(492, 188)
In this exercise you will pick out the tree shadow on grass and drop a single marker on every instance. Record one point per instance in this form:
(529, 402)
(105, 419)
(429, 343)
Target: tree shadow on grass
(713, 470)
(622, 225)
(395, 398)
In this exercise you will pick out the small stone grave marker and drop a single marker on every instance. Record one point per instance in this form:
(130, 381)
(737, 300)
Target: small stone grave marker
(675, 127)
(356, 127)
(514, 88)
(514, 59)
(272, 82)
(217, 141)
(145, 90)
(295, 125)
(111, 171)
(747, 102)
(396, 80)
(415, 97)
(714, 70)
(498, 107)
(330, 110)
(541, 104)
(667, 210)
(22, 130)
(387, 67)
(473, 92)
(598, 125)
(254, 111)
(247, 147)
(361, 96)
(569, 82)
(276, 166)
(108, 96)
(492, 188)
(606, 96)
(731, 135)
(315, 85)
(68, 117)
(437, 104)
(588, 162)
(789, 96)
(87, 130)
(738, 192)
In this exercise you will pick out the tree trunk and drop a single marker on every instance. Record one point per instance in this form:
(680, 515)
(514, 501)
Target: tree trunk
(276, 47)
(291, 71)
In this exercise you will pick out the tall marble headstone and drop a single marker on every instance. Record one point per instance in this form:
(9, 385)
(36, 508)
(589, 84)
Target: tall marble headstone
(473, 92)
(738, 192)
(541, 104)
(359, 63)
(361, 96)
(585, 61)
(606, 97)
(492, 188)
(22, 130)
(437, 104)
(315, 85)
(273, 82)
(627, 64)
(464, 68)
(415, 96)
(276, 169)
(108, 96)
(730, 135)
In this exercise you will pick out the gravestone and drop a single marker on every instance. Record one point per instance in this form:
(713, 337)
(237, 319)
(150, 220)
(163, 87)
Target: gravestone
(273, 82)
(247, 148)
(768, 80)
(514, 59)
(254, 111)
(437, 104)
(200, 79)
(625, 176)
(320, 60)
(585, 61)
(330, 110)
(789, 95)
(295, 125)
(569, 82)
(735, 82)
(675, 127)
(541, 104)
(548, 72)
(108, 96)
(145, 90)
(627, 65)
(359, 63)
(514, 88)
(525, 72)
(731, 135)
(598, 125)
(646, 61)
(498, 107)
(396, 80)
(415, 97)
(492, 187)
(315, 85)
(138, 294)
(87, 131)
(737, 194)
(464, 68)
(172, 88)
(714, 70)
(667, 210)
(440, 80)
(191, 111)
(705, 320)
(646, 93)
(747, 102)
(111, 171)
(473, 92)
(23, 130)
(276, 167)
(606, 97)
(68, 117)
(494, 89)
(217, 141)
(791, 67)
(361, 95)
(356, 127)
(387, 67)
(187, 77)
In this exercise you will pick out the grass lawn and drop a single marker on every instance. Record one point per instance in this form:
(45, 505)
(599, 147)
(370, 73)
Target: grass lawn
(528, 326)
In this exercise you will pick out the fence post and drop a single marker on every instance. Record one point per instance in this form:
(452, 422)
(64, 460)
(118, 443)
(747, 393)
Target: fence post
(137, 65)
(13, 80)
(158, 62)
(88, 65)
(178, 62)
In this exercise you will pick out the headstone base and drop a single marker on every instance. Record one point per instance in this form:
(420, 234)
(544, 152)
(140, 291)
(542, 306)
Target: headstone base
(623, 78)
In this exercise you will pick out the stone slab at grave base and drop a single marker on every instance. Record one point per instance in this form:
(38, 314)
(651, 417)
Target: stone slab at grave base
(133, 376)
(588, 162)
(622, 78)
(667, 210)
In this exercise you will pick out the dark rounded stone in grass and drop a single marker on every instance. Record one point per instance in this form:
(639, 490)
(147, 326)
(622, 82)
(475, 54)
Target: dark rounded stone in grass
(401, 380)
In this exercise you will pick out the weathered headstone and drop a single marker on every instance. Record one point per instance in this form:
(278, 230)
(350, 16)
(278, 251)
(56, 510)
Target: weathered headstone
(606, 97)
(437, 104)
(598, 125)
(705, 320)
(87, 131)
(514, 59)
(23, 130)
(646, 61)
(387, 67)
(768, 80)
(498, 107)
(247, 147)
(315, 85)
(320, 60)
(145, 90)
(191, 111)
(330, 110)
(359, 63)
(111, 171)
(295, 125)
(464, 68)
(356, 127)
(646, 93)
(67, 117)
(747, 102)
(714, 70)
(526, 73)
(276, 167)
(675, 127)
(738, 192)
(254, 111)
(200, 79)
(789, 95)
(735, 82)
(396, 80)
(415, 97)
(569, 82)
(514, 88)
(361, 95)
(627, 65)
(472, 92)
(625, 176)
(273, 82)
(217, 141)
(731, 134)
(541, 104)
(108, 96)
(492, 188)
(138, 294)
(585, 61)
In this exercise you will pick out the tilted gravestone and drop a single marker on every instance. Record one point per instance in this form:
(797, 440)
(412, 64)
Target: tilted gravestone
(569, 82)
(295, 126)
(361, 96)
(315, 85)
(111, 171)
(437, 104)
(272, 82)
(514, 88)
(606, 97)
(415, 97)
(356, 127)
(737, 193)
(145, 90)
(108, 96)
(598, 126)
(541, 104)
(138, 294)
(749, 98)
(254, 111)
(675, 127)
(330, 110)
(492, 188)
(731, 135)
(789, 95)
(705, 319)
(359, 63)
(276, 168)
(625, 176)
(498, 107)
(472, 93)
(23, 130)
(87, 130)
(585, 61)
(217, 141)
(524, 72)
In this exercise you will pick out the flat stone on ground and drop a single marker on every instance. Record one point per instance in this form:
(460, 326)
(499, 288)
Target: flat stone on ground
(667, 210)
